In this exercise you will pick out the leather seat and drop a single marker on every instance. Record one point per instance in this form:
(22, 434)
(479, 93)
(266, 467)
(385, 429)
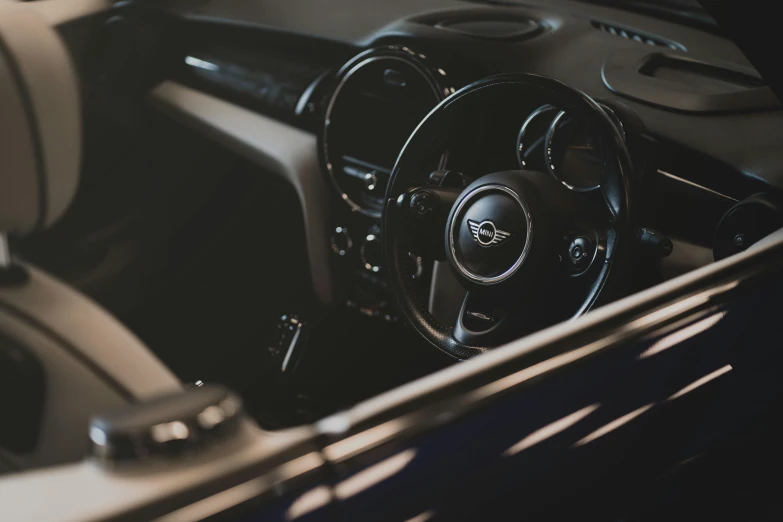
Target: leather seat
(62, 357)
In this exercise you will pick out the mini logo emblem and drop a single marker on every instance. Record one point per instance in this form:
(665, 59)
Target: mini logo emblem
(487, 234)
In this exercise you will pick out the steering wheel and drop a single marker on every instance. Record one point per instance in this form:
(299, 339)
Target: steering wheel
(529, 250)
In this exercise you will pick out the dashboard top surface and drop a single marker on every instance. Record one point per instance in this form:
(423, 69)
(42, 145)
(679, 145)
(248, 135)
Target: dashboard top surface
(572, 50)
(346, 21)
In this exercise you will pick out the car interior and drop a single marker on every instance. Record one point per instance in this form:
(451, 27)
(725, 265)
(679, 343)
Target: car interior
(313, 203)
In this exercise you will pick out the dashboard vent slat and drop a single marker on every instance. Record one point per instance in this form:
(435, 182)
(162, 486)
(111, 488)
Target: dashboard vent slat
(637, 36)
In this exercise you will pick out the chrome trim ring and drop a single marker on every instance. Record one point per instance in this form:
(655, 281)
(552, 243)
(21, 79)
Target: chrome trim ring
(342, 252)
(617, 121)
(525, 250)
(528, 121)
(371, 238)
(548, 148)
(548, 156)
(436, 90)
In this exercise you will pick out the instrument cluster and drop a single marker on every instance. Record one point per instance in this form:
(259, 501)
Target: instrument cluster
(551, 140)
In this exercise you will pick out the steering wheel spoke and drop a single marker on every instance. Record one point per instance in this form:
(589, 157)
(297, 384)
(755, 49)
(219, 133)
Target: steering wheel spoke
(491, 320)
(480, 322)
(424, 211)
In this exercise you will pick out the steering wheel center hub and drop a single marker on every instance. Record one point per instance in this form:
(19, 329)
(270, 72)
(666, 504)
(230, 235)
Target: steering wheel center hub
(489, 234)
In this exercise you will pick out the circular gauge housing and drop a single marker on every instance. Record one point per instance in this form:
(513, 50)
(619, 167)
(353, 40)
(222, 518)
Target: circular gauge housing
(572, 155)
(380, 98)
(371, 253)
(531, 141)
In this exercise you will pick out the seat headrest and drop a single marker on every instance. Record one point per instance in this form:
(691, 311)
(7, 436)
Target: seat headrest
(40, 122)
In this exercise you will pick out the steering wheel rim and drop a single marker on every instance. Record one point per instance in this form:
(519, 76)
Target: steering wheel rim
(424, 140)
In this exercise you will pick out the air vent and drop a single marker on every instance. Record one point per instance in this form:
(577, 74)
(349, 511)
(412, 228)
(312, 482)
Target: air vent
(745, 223)
(638, 36)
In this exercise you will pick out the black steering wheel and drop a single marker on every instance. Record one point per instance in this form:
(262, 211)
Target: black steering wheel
(528, 249)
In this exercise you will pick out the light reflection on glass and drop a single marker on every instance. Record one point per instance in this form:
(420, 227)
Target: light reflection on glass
(334, 425)
(359, 442)
(373, 475)
(681, 306)
(210, 506)
(423, 517)
(682, 335)
(310, 501)
(550, 430)
(541, 368)
(671, 310)
(617, 423)
(98, 436)
(701, 382)
(667, 312)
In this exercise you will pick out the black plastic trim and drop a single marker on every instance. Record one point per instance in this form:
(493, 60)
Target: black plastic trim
(627, 74)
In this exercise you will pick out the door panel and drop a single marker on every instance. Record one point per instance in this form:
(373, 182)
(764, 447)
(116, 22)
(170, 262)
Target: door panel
(596, 432)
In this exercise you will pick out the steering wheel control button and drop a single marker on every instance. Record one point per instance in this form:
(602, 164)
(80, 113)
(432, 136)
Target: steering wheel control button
(489, 236)
(580, 254)
(423, 204)
(341, 241)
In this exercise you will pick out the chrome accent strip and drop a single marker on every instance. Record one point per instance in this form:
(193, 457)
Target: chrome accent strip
(245, 491)
(525, 250)
(550, 133)
(521, 136)
(201, 64)
(307, 94)
(291, 347)
(216, 503)
(691, 183)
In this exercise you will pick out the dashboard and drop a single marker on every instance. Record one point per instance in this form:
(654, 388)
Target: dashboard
(697, 118)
